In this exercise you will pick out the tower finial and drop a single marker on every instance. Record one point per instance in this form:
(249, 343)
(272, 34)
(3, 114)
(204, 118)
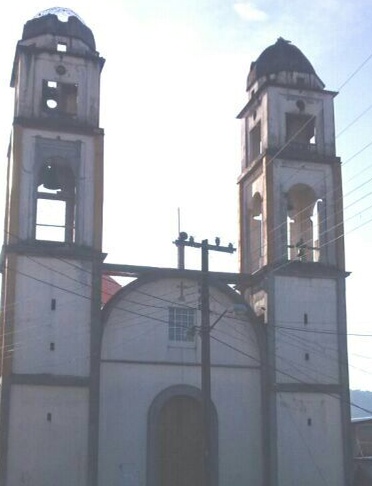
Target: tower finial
(284, 41)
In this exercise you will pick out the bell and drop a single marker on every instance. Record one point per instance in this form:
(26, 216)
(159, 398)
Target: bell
(49, 177)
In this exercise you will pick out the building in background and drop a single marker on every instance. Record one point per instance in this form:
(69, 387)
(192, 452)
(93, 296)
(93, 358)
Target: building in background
(97, 396)
(362, 451)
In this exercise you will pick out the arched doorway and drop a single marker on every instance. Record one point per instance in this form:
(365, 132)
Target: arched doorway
(175, 439)
(181, 442)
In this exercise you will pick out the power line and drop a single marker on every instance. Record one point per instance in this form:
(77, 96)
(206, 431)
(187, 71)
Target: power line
(165, 322)
(287, 374)
(133, 302)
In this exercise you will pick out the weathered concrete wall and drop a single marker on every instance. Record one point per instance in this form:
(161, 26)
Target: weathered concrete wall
(48, 449)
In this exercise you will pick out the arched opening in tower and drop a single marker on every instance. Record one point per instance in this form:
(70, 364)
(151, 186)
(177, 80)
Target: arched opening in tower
(256, 233)
(55, 202)
(303, 224)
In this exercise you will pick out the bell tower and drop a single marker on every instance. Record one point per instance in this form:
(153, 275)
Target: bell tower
(292, 245)
(51, 256)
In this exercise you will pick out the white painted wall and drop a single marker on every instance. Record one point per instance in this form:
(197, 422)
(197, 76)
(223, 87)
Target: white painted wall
(137, 327)
(309, 424)
(68, 326)
(319, 337)
(139, 363)
(309, 455)
(237, 396)
(127, 391)
(42, 452)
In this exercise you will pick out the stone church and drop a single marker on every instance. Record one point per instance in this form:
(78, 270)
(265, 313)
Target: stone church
(112, 394)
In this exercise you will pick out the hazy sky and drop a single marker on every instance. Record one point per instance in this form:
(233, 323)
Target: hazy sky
(173, 83)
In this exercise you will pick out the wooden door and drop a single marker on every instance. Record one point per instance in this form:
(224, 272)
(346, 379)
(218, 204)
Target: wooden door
(181, 442)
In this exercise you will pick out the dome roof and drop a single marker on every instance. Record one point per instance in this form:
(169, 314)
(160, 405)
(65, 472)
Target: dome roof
(59, 21)
(62, 13)
(281, 56)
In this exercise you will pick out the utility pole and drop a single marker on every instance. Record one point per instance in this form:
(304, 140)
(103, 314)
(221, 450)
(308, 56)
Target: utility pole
(182, 241)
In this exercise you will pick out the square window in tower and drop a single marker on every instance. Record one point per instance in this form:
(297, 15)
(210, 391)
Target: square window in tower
(60, 98)
(61, 47)
(255, 142)
(300, 130)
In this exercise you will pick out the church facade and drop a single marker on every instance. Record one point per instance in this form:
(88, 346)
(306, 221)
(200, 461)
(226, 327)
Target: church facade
(96, 395)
